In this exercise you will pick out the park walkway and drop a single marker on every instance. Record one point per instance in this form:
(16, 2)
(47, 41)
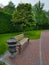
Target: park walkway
(45, 47)
(30, 56)
(36, 53)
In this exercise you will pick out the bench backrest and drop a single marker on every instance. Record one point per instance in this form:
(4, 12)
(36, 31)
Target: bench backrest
(19, 37)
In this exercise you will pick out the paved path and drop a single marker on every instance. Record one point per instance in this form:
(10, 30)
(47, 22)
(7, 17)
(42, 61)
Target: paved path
(45, 47)
(30, 56)
(36, 53)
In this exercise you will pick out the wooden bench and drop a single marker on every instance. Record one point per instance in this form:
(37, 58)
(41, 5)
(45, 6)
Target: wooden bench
(22, 42)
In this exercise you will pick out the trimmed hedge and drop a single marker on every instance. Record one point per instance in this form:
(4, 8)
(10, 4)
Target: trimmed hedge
(5, 23)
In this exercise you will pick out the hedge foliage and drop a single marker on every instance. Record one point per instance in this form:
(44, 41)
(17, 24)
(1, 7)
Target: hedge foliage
(6, 25)
(5, 22)
(26, 20)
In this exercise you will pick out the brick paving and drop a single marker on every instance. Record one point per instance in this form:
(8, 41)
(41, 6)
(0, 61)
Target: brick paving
(30, 56)
(45, 48)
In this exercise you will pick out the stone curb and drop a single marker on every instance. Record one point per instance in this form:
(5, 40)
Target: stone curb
(5, 61)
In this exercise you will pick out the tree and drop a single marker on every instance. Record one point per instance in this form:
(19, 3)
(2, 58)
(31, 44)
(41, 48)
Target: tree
(9, 8)
(38, 8)
(47, 14)
(23, 15)
(40, 14)
(1, 9)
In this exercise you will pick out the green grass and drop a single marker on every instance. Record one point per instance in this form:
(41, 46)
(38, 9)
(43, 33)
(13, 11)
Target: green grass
(3, 40)
(35, 34)
(2, 63)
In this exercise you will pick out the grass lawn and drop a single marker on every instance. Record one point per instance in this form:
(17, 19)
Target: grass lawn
(3, 39)
(35, 34)
(2, 63)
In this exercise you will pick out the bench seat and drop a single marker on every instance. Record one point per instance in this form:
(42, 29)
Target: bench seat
(22, 42)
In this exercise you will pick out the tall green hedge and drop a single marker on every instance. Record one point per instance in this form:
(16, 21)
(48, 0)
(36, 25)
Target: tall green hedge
(5, 23)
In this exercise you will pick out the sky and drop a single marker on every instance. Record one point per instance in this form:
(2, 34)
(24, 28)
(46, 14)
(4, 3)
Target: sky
(46, 2)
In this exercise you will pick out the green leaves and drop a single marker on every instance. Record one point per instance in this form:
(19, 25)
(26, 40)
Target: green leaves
(9, 8)
(23, 15)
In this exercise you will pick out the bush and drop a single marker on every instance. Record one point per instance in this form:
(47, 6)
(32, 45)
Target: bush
(5, 23)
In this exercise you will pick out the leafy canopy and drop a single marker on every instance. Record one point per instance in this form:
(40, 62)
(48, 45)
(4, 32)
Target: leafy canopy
(9, 8)
(23, 14)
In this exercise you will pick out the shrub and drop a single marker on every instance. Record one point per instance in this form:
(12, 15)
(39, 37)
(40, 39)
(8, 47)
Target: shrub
(5, 23)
